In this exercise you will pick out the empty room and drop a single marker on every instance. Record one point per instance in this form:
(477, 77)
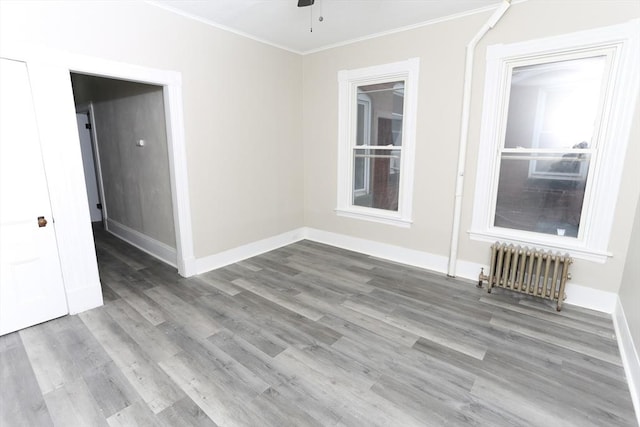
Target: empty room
(320, 213)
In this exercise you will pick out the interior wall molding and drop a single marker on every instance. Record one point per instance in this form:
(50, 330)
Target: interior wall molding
(577, 294)
(153, 247)
(629, 355)
(231, 256)
(415, 258)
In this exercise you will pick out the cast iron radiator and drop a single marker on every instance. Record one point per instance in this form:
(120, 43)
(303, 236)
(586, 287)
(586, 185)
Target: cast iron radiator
(530, 271)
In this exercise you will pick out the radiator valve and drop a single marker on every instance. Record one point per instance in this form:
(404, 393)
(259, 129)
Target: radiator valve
(481, 278)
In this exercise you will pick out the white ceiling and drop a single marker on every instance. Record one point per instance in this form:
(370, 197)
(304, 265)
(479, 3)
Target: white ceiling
(283, 24)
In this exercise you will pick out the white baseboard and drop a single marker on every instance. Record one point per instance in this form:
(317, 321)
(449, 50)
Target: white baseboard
(187, 267)
(86, 298)
(153, 247)
(393, 253)
(593, 299)
(470, 270)
(581, 296)
(221, 259)
(629, 355)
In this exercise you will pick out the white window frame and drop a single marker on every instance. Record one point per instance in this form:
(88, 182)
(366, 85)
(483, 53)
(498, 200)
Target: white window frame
(365, 101)
(348, 82)
(622, 43)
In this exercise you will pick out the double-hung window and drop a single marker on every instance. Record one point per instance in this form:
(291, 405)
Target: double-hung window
(377, 118)
(556, 120)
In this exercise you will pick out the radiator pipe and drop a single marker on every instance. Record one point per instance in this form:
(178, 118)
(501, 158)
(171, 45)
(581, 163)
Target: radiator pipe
(464, 132)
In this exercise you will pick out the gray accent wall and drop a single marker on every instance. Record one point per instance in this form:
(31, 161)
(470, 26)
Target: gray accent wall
(136, 179)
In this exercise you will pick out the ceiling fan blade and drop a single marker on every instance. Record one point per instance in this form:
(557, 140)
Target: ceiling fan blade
(303, 3)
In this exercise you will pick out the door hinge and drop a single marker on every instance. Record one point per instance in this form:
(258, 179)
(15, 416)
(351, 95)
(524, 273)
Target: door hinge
(87, 125)
(99, 206)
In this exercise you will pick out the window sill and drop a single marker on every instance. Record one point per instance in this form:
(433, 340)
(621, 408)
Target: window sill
(373, 216)
(575, 248)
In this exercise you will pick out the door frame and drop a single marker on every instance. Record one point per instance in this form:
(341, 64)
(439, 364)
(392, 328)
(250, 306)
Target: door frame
(53, 99)
(87, 109)
(171, 82)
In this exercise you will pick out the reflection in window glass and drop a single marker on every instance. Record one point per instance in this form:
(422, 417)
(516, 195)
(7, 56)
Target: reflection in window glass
(554, 105)
(544, 164)
(550, 206)
(384, 183)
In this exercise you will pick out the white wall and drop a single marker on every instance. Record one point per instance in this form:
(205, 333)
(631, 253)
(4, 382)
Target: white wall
(441, 48)
(630, 288)
(242, 107)
(261, 123)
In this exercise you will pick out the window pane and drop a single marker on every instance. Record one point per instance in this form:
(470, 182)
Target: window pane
(554, 105)
(542, 193)
(385, 103)
(360, 137)
(376, 178)
(380, 119)
(359, 174)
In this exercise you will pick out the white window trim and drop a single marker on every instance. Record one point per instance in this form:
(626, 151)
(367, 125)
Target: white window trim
(348, 81)
(365, 101)
(598, 216)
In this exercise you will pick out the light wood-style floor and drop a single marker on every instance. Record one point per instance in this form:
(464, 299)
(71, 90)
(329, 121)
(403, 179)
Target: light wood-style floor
(310, 335)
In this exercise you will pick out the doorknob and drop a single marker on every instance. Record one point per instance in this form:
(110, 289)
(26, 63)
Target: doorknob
(42, 222)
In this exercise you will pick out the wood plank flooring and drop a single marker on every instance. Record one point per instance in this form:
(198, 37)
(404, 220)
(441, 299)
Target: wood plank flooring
(310, 335)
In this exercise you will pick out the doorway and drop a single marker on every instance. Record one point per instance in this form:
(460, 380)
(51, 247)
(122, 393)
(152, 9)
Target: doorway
(53, 102)
(171, 84)
(126, 161)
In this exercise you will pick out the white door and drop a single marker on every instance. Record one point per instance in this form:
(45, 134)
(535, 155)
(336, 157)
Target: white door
(31, 286)
(86, 146)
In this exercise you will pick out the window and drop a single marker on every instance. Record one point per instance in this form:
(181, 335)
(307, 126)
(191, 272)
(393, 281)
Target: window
(376, 142)
(550, 139)
(556, 120)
